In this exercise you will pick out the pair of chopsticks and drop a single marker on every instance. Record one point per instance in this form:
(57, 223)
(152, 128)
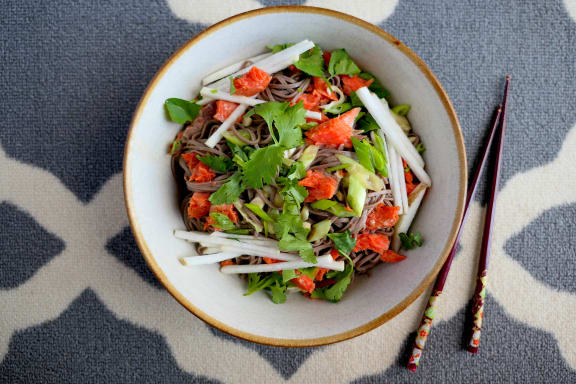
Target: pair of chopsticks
(423, 332)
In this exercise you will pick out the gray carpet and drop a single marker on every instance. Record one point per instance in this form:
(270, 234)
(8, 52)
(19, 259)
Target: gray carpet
(78, 303)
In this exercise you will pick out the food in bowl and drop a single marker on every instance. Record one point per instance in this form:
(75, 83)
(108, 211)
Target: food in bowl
(295, 172)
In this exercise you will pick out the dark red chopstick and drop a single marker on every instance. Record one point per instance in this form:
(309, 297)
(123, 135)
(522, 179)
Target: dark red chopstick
(429, 313)
(480, 291)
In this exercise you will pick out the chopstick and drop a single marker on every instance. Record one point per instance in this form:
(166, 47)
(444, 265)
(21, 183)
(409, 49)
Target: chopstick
(429, 313)
(480, 290)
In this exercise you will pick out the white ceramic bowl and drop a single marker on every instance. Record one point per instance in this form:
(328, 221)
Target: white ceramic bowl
(150, 191)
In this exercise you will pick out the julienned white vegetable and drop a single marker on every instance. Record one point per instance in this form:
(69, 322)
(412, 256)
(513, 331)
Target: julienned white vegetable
(272, 64)
(396, 163)
(246, 248)
(325, 261)
(217, 135)
(232, 68)
(381, 113)
(221, 95)
(335, 103)
(210, 250)
(247, 238)
(208, 259)
(404, 222)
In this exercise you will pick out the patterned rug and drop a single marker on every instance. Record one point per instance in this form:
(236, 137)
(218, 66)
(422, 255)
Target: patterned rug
(77, 302)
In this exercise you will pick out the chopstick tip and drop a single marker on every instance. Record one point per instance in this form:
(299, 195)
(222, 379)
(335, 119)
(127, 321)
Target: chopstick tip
(412, 367)
(473, 350)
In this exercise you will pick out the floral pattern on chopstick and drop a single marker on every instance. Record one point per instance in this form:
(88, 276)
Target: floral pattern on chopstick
(423, 331)
(478, 312)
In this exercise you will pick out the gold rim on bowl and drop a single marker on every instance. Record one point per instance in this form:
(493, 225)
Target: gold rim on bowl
(428, 279)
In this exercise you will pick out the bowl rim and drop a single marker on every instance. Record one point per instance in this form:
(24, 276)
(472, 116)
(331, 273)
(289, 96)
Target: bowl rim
(383, 318)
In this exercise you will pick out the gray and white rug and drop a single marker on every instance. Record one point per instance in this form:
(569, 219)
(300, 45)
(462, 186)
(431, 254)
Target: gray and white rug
(77, 302)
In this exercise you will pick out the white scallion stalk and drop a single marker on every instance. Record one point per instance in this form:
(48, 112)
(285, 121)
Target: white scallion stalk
(232, 68)
(236, 246)
(404, 222)
(251, 101)
(325, 261)
(217, 135)
(208, 259)
(381, 113)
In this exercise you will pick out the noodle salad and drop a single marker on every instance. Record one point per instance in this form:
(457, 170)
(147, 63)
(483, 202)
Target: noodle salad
(295, 173)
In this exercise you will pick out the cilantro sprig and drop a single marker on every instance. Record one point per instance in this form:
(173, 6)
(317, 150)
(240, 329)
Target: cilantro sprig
(230, 191)
(181, 111)
(217, 163)
(312, 62)
(342, 64)
(411, 240)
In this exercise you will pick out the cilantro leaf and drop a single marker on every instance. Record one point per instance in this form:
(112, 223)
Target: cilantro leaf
(376, 85)
(232, 86)
(222, 221)
(263, 166)
(289, 221)
(286, 119)
(297, 171)
(288, 274)
(288, 125)
(410, 240)
(269, 111)
(217, 163)
(291, 243)
(342, 64)
(180, 111)
(256, 282)
(229, 192)
(355, 100)
(279, 47)
(311, 62)
(277, 292)
(343, 242)
(367, 123)
(336, 291)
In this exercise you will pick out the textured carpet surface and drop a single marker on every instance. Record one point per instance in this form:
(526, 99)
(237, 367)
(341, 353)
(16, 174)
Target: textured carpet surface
(77, 301)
